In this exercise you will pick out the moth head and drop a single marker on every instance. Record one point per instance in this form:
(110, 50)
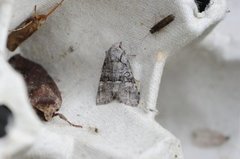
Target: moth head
(16, 61)
(19, 63)
(45, 100)
(41, 19)
(46, 107)
(116, 52)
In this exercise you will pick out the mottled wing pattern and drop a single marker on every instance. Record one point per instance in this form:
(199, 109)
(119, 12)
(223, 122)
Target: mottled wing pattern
(129, 94)
(105, 87)
(117, 80)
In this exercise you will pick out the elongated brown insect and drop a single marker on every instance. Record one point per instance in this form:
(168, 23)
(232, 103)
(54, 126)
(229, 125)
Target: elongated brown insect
(27, 28)
(164, 22)
(43, 92)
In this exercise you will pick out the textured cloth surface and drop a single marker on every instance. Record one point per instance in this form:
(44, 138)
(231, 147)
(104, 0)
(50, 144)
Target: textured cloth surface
(90, 28)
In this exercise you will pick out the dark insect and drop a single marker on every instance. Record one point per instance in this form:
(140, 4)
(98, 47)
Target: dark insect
(208, 138)
(202, 4)
(5, 116)
(43, 92)
(27, 28)
(117, 80)
(157, 27)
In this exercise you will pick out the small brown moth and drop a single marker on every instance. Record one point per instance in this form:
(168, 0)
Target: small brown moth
(43, 92)
(27, 28)
(164, 22)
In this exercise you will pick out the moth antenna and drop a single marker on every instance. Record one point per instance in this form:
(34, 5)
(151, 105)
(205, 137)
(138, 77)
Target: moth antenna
(35, 10)
(141, 40)
(145, 36)
(53, 9)
(61, 116)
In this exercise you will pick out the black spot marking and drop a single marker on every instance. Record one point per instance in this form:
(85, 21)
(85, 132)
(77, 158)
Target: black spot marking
(70, 49)
(5, 115)
(202, 4)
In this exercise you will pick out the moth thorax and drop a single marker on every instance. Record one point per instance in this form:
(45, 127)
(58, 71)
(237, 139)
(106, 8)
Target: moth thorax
(41, 19)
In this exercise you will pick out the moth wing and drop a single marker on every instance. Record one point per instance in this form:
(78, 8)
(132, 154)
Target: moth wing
(117, 80)
(22, 26)
(105, 93)
(129, 94)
